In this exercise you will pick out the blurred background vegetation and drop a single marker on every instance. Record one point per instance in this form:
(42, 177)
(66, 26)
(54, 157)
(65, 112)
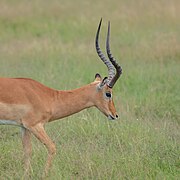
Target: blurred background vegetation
(53, 42)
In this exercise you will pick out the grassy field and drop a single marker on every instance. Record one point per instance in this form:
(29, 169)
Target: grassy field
(53, 42)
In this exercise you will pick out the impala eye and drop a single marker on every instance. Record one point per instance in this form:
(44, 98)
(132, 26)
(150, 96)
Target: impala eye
(108, 95)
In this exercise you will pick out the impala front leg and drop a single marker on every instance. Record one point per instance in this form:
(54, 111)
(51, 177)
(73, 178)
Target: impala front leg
(26, 141)
(39, 132)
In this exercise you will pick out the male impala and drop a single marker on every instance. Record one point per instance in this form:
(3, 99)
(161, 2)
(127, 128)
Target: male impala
(30, 104)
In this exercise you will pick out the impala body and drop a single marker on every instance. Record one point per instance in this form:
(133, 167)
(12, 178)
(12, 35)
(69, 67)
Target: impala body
(30, 104)
(29, 99)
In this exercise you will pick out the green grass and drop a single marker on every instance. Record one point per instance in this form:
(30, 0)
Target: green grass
(53, 42)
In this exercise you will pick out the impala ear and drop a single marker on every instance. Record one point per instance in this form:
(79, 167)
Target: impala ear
(103, 82)
(98, 77)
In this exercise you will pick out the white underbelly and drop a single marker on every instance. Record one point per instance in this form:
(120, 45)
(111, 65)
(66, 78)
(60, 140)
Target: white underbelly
(9, 122)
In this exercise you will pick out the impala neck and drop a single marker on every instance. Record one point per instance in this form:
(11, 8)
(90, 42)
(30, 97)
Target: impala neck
(69, 102)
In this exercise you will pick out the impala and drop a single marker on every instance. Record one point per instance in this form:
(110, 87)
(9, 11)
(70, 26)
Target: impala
(30, 104)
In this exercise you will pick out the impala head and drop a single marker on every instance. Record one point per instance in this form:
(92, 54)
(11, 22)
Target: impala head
(104, 100)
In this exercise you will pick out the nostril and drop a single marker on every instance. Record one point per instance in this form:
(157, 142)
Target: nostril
(117, 116)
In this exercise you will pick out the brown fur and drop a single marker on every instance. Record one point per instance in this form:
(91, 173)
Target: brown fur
(31, 105)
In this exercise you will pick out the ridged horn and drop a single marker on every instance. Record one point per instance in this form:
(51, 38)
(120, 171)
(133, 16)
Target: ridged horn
(111, 70)
(113, 61)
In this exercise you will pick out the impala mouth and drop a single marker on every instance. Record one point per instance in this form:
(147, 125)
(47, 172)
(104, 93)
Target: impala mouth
(110, 117)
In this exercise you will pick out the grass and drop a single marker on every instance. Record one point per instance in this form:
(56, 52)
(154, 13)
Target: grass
(53, 42)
